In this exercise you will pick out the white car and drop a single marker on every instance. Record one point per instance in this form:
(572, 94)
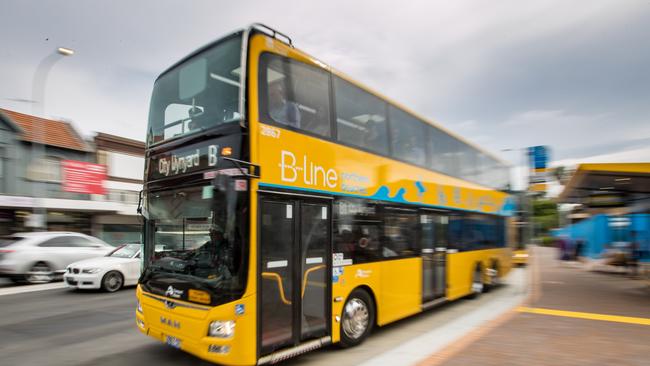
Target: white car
(42, 256)
(119, 268)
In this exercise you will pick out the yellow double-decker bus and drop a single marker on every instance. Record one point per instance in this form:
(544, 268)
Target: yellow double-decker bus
(288, 207)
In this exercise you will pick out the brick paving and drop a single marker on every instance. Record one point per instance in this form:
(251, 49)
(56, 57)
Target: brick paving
(537, 339)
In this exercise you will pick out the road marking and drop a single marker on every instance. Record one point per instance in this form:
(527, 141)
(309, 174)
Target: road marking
(589, 316)
(31, 288)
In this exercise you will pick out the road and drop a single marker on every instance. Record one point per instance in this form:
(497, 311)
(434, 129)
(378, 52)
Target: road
(64, 327)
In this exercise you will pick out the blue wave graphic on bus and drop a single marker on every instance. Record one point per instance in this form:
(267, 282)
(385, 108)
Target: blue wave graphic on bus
(421, 189)
(383, 193)
(508, 207)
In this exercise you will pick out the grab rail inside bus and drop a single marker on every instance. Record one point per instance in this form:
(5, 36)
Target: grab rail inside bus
(278, 279)
(273, 33)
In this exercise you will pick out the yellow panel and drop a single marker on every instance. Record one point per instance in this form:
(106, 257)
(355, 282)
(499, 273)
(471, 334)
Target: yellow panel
(296, 161)
(401, 289)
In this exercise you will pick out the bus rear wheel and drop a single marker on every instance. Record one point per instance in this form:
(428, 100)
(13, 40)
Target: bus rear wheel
(478, 286)
(357, 319)
(493, 273)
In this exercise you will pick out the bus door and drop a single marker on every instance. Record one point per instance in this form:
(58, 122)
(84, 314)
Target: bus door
(295, 293)
(433, 237)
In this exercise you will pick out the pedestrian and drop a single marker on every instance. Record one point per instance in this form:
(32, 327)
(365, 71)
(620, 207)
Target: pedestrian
(561, 246)
(634, 254)
(580, 244)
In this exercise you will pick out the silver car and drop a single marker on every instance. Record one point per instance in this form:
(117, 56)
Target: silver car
(43, 256)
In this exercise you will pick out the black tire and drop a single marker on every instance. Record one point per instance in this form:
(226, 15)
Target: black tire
(495, 280)
(112, 281)
(357, 319)
(478, 286)
(17, 280)
(39, 273)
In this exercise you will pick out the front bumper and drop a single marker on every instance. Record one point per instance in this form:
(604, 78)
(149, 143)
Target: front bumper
(159, 322)
(83, 281)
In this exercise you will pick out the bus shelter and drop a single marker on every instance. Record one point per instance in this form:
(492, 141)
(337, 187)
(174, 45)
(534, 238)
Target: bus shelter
(612, 221)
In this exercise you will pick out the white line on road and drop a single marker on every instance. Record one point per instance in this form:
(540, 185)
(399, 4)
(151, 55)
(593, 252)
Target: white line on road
(31, 288)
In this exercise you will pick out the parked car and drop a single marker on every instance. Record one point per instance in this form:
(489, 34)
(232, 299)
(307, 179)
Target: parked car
(41, 257)
(119, 268)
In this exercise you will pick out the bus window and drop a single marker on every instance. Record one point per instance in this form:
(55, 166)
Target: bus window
(444, 151)
(407, 137)
(399, 233)
(199, 94)
(360, 118)
(293, 94)
(357, 230)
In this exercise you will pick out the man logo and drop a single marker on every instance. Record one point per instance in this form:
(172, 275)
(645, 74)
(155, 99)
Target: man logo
(172, 323)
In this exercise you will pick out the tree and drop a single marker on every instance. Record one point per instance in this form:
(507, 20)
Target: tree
(545, 215)
(562, 174)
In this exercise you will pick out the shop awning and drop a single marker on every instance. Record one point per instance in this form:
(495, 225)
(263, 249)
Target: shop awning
(58, 204)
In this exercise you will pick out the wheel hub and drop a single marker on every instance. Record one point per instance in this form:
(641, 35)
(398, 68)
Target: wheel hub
(355, 318)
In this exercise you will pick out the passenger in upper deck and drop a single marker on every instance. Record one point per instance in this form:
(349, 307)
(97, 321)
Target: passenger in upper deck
(282, 110)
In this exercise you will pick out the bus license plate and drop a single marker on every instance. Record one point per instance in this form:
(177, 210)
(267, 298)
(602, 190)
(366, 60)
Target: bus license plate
(173, 341)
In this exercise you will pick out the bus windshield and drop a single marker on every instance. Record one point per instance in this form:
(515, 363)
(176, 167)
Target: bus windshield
(200, 93)
(198, 238)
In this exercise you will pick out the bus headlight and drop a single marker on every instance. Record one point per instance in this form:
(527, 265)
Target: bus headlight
(139, 306)
(222, 329)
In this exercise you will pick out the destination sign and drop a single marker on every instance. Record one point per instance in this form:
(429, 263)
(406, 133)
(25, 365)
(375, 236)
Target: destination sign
(192, 159)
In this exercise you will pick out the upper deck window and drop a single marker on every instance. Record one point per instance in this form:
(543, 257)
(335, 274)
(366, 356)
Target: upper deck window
(360, 117)
(408, 137)
(198, 94)
(294, 95)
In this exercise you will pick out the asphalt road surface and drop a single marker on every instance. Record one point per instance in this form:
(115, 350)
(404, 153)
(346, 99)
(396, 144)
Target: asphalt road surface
(65, 327)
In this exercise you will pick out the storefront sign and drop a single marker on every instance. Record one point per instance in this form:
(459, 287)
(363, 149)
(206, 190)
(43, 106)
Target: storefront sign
(82, 177)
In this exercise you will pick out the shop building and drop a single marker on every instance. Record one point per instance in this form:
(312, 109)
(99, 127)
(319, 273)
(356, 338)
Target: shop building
(35, 154)
(124, 160)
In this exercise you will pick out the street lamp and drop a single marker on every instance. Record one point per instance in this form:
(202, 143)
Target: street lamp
(65, 51)
(38, 96)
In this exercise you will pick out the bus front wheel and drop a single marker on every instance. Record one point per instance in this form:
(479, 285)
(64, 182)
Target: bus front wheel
(357, 319)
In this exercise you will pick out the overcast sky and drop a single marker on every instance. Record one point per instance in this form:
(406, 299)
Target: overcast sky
(504, 74)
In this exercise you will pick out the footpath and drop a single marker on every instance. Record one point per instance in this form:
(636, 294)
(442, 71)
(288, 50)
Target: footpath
(571, 317)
